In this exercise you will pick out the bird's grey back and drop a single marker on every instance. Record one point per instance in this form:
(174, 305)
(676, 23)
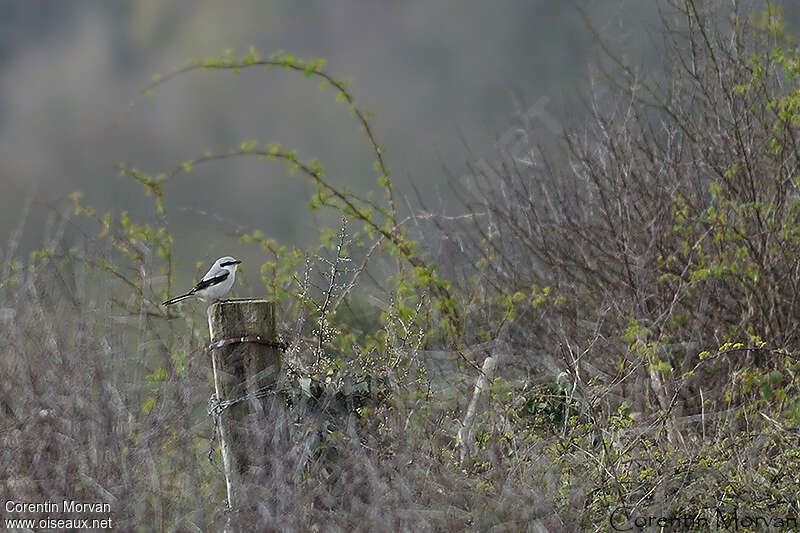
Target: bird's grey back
(216, 269)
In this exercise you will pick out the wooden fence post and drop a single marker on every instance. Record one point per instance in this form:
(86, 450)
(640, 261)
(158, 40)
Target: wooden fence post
(246, 359)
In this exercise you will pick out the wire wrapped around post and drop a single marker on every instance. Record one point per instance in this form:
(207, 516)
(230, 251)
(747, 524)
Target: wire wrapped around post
(246, 359)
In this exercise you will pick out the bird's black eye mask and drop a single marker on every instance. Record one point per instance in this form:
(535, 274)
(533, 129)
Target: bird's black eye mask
(229, 263)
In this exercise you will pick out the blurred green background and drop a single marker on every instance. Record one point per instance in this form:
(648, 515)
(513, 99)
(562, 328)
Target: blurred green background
(446, 80)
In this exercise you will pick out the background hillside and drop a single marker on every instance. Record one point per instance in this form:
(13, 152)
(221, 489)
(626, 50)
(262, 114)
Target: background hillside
(446, 81)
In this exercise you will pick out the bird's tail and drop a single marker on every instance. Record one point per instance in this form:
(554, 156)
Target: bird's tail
(178, 298)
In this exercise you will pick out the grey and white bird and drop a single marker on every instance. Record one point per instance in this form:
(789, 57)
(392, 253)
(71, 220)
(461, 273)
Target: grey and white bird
(215, 284)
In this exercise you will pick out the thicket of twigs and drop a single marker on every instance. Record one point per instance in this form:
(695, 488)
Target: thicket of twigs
(604, 337)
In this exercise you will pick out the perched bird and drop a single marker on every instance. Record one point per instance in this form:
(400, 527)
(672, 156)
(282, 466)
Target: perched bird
(215, 284)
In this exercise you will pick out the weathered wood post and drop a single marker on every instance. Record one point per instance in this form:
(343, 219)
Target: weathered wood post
(246, 359)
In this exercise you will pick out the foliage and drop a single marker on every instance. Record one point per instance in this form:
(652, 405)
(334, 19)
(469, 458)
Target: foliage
(615, 339)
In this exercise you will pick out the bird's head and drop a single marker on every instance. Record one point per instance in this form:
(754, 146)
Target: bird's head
(229, 263)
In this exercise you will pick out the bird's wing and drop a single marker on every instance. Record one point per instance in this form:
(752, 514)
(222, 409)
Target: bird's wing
(212, 279)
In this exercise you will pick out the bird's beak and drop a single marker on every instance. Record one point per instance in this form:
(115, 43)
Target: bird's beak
(238, 266)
